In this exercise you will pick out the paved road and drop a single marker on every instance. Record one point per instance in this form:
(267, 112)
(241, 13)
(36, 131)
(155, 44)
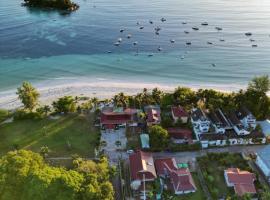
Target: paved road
(191, 156)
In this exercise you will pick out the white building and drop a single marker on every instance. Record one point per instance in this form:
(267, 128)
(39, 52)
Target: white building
(237, 124)
(200, 121)
(246, 117)
(263, 161)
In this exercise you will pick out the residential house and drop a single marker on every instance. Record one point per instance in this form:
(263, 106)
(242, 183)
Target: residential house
(142, 169)
(153, 115)
(200, 121)
(111, 117)
(263, 161)
(242, 181)
(179, 113)
(236, 124)
(246, 117)
(180, 179)
(217, 123)
(180, 135)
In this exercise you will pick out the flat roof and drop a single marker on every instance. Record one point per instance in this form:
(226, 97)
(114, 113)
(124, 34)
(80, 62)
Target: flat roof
(264, 155)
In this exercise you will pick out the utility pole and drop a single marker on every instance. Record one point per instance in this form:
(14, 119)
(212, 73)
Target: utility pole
(144, 195)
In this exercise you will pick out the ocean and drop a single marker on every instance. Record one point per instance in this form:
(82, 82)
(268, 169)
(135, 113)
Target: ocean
(50, 48)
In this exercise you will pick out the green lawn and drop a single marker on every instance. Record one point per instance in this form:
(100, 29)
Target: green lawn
(3, 115)
(213, 166)
(198, 195)
(71, 134)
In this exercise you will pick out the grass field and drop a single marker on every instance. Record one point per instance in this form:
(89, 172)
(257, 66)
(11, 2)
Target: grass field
(3, 115)
(70, 134)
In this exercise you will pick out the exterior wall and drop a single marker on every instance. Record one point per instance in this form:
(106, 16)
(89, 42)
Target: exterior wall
(183, 192)
(227, 181)
(265, 169)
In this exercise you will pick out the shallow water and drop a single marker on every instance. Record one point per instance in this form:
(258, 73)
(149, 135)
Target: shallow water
(49, 47)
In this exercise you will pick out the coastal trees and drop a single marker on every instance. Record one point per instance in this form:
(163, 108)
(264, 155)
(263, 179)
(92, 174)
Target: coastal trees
(24, 175)
(157, 95)
(64, 104)
(159, 137)
(121, 100)
(260, 84)
(57, 4)
(28, 96)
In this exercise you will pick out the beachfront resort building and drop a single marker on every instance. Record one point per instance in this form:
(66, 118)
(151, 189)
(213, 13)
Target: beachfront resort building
(179, 113)
(241, 181)
(178, 180)
(200, 121)
(246, 117)
(112, 118)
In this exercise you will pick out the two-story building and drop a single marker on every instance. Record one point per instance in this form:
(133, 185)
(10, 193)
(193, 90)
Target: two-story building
(200, 121)
(179, 113)
(236, 124)
(246, 117)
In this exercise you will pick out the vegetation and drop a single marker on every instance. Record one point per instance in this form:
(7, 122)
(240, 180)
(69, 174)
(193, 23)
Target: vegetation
(64, 136)
(3, 115)
(56, 4)
(24, 175)
(159, 138)
(28, 96)
(213, 166)
(64, 104)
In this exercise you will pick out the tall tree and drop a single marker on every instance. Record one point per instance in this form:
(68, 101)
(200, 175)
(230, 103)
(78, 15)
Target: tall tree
(157, 95)
(159, 137)
(260, 84)
(28, 96)
(64, 104)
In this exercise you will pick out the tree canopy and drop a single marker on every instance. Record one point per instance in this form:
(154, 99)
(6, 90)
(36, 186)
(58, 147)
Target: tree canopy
(64, 104)
(159, 137)
(25, 176)
(28, 96)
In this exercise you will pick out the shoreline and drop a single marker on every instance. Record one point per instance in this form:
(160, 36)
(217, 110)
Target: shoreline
(50, 91)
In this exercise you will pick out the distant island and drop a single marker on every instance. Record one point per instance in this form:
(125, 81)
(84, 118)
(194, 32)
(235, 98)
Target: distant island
(67, 5)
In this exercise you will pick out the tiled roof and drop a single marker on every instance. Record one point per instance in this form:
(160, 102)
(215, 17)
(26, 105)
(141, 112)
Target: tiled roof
(109, 116)
(180, 133)
(243, 181)
(181, 178)
(198, 114)
(179, 111)
(142, 163)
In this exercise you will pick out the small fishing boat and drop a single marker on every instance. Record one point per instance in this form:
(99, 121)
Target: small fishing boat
(188, 43)
(209, 43)
(151, 22)
(254, 45)
(163, 19)
(159, 48)
(204, 24)
(184, 22)
(116, 44)
(172, 41)
(119, 40)
(135, 43)
(129, 36)
(248, 34)
(141, 27)
(222, 40)
(122, 30)
(218, 28)
(186, 32)
(195, 28)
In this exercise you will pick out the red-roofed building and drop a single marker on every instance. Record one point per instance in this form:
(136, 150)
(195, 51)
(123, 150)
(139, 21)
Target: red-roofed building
(110, 118)
(153, 116)
(181, 181)
(180, 135)
(178, 112)
(242, 181)
(141, 168)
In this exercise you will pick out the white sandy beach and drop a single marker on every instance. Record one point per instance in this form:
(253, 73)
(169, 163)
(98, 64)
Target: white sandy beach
(50, 91)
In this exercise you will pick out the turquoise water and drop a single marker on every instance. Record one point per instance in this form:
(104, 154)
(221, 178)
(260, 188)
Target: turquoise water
(48, 46)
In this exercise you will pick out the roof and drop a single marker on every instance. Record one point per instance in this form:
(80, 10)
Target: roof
(180, 133)
(117, 116)
(243, 181)
(180, 177)
(145, 141)
(265, 125)
(264, 155)
(222, 118)
(198, 114)
(179, 111)
(142, 163)
(153, 115)
(243, 112)
(233, 118)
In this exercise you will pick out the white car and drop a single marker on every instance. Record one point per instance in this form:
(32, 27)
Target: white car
(130, 151)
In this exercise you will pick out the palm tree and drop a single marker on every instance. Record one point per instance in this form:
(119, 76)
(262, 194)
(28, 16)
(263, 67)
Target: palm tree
(121, 100)
(157, 95)
(94, 101)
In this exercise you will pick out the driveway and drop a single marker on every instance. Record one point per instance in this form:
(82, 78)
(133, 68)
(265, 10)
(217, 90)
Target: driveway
(113, 151)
